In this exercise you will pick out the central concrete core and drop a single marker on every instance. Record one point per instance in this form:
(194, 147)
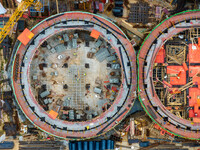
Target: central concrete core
(75, 75)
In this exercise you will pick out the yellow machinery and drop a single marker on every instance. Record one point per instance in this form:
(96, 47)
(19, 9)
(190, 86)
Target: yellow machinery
(17, 15)
(12, 21)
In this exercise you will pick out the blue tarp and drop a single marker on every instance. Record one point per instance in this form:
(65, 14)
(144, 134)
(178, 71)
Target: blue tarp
(7, 145)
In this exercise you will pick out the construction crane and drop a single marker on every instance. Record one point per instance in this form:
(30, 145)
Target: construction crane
(10, 24)
(17, 15)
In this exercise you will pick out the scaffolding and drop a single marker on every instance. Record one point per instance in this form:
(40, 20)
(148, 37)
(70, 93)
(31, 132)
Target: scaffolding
(175, 53)
(170, 94)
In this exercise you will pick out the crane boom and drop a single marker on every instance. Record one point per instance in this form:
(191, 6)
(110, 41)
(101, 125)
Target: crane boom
(14, 18)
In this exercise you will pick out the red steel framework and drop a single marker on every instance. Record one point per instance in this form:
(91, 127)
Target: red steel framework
(147, 56)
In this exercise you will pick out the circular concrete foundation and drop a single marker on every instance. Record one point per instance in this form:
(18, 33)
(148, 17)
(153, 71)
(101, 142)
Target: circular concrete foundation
(58, 59)
(167, 79)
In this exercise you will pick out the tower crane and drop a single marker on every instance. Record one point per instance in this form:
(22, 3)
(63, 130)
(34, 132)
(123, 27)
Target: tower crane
(17, 15)
(10, 24)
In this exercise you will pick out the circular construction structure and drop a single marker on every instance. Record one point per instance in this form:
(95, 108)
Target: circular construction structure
(168, 75)
(74, 75)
